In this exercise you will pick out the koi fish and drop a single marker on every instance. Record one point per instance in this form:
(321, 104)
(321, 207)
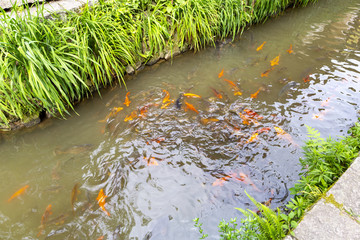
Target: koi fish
(217, 94)
(282, 134)
(260, 47)
(252, 138)
(221, 73)
(131, 116)
(127, 101)
(100, 238)
(245, 119)
(235, 87)
(266, 73)
(306, 79)
(254, 95)
(158, 140)
(290, 49)
(275, 61)
(113, 112)
(152, 161)
(280, 131)
(264, 129)
(167, 104)
(237, 93)
(44, 219)
(178, 101)
(101, 200)
(191, 95)
(167, 96)
(245, 179)
(320, 115)
(205, 121)
(253, 114)
(58, 220)
(74, 193)
(221, 181)
(268, 202)
(325, 103)
(191, 107)
(230, 82)
(18, 192)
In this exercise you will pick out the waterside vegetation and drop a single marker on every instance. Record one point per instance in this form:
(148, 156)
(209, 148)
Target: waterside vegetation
(324, 161)
(49, 64)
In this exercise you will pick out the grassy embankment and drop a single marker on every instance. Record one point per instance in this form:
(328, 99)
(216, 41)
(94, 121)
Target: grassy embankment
(325, 160)
(47, 65)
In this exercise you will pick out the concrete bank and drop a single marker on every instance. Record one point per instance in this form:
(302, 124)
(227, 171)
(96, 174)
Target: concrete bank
(337, 214)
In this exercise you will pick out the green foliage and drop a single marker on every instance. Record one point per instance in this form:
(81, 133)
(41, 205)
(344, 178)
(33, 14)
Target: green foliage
(324, 162)
(199, 226)
(50, 64)
(268, 224)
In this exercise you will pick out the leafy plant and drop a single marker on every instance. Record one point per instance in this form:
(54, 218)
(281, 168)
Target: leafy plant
(199, 226)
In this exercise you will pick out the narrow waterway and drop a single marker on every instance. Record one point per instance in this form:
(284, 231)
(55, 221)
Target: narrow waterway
(170, 156)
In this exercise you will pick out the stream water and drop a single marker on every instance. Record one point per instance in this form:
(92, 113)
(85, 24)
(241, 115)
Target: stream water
(166, 165)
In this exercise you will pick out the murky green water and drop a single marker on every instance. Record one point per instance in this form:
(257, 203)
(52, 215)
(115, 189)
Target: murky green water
(168, 166)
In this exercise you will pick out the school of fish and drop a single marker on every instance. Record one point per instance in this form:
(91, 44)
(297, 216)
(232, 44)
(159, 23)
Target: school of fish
(187, 102)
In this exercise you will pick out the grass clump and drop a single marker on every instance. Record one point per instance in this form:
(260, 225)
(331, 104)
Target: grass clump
(50, 64)
(324, 161)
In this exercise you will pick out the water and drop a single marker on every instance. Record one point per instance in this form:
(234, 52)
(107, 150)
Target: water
(169, 166)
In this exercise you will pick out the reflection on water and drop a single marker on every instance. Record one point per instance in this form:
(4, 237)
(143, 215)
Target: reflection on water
(196, 133)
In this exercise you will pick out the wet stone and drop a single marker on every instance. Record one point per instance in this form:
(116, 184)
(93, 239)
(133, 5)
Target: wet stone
(130, 70)
(325, 221)
(7, 4)
(346, 189)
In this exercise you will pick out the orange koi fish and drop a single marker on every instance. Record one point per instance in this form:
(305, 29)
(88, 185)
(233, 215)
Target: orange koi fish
(230, 82)
(264, 129)
(158, 140)
(235, 87)
(290, 49)
(253, 114)
(221, 73)
(325, 103)
(320, 115)
(18, 192)
(167, 96)
(205, 121)
(152, 161)
(167, 104)
(217, 94)
(100, 238)
(306, 79)
(275, 61)
(191, 107)
(260, 47)
(281, 133)
(266, 73)
(131, 116)
(74, 193)
(254, 95)
(127, 101)
(44, 219)
(191, 95)
(237, 93)
(245, 179)
(101, 200)
(221, 181)
(245, 119)
(252, 138)
(113, 112)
